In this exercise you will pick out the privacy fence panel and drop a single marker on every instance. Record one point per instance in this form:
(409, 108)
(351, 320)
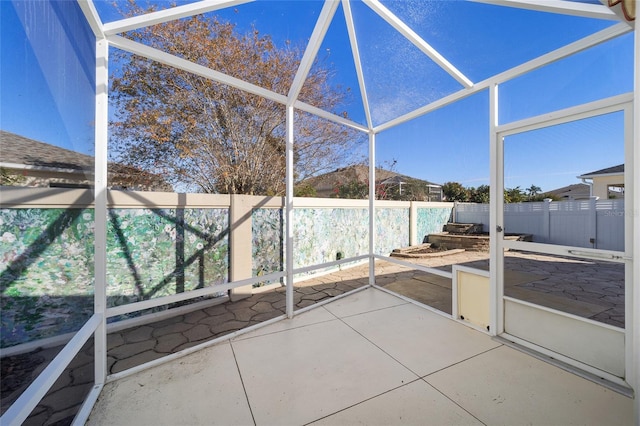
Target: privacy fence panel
(610, 230)
(472, 213)
(526, 218)
(585, 223)
(570, 224)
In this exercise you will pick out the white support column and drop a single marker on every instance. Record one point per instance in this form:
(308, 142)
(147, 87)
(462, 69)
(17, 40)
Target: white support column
(496, 217)
(372, 207)
(632, 288)
(100, 210)
(288, 204)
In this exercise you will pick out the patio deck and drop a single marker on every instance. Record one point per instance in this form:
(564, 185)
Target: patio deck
(543, 280)
(368, 358)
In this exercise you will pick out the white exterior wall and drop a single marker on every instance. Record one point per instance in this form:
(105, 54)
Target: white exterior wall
(601, 185)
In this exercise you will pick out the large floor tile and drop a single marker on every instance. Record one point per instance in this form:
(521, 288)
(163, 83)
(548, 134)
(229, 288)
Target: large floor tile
(367, 300)
(416, 403)
(203, 388)
(313, 316)
(505, 386)
(303, 374)
(421, 340)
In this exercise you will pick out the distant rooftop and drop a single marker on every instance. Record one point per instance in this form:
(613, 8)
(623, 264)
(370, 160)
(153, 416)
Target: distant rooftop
(18, 149)
(608, 171)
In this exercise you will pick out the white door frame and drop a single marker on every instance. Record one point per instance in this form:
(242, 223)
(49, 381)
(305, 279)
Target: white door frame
(622, 103)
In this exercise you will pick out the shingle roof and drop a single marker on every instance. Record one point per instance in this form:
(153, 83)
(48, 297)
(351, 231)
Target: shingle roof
(608, 171)
(576, 190)
(17, 149)
(326, 183)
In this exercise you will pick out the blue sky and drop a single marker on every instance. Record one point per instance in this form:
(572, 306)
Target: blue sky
(48, 76)
(448, 145)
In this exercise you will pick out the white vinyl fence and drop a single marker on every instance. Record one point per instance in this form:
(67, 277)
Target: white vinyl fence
(589, 223)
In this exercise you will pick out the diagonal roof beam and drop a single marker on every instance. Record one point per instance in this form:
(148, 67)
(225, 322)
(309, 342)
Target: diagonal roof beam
(329, 116)
(92, 17)
(414, 38)
(585, 10)
(182, 64)
(170, 14)
(346, 7)
(322, 25)
(548, 58)
(185, 65)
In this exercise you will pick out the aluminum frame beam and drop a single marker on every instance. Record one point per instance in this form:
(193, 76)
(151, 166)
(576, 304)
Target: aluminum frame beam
(320, 30)
(420, 43)
(185, 65)
(355, 51)
(288, 207)
(92, 16)
(563, 52)
(166, 15)
(564, 7)
(634, 218)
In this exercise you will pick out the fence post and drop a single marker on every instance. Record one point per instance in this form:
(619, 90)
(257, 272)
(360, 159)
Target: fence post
(240, 243)
(546, 220)
(593, 225)
(455, 212)
(413, 223)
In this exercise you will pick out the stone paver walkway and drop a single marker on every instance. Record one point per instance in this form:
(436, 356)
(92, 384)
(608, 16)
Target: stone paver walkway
(589, 288)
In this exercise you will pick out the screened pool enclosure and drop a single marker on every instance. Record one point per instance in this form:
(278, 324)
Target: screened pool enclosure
(502, 93)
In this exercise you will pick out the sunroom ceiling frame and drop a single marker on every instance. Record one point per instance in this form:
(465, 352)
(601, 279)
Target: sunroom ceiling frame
(92, 16)
(185, 65)
(169, 14)
(399, 25)
(317, 36)
(355, 51)
(546, 59)
(564, 7)
(322, 24)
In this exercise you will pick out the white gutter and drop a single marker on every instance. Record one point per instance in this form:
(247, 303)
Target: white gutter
(584, 180)
(17, 166)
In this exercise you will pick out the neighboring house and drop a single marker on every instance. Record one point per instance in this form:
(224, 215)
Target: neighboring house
(606, 183)
(27, 162)
(577, 191)
(325, 185)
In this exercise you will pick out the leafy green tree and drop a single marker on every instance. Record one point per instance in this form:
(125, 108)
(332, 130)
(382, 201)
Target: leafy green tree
(454, 191)
(304, 190)
(514, 195)
(479, 194)
(533, 191)
(542, 197)
(352, 189)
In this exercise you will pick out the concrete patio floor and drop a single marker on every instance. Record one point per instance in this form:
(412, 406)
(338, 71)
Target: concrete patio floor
(589, 289)
(368, 358)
